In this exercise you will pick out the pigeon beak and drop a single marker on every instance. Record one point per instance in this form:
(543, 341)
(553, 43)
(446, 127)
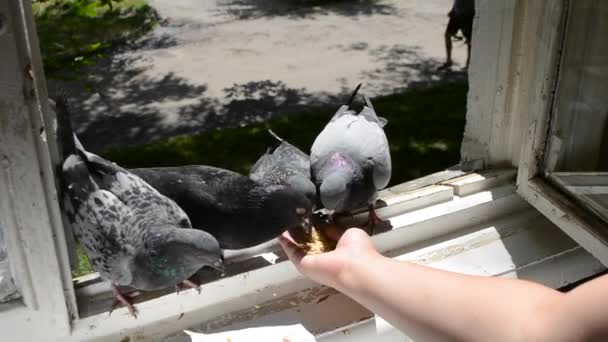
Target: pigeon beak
(219, 266)
(306, 225)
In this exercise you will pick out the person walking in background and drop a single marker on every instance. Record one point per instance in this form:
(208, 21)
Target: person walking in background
(461, 19)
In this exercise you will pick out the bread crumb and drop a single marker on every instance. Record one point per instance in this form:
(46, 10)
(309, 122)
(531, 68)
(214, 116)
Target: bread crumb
(318, 243)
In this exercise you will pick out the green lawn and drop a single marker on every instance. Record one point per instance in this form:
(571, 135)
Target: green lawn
(424, 130)
(73, 33)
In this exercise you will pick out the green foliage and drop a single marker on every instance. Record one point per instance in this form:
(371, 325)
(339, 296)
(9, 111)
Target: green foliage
(84, 266)
(73, 32)
(425, 131)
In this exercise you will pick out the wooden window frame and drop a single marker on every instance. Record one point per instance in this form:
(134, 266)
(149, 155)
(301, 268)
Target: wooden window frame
(29, 210)
(544, 41)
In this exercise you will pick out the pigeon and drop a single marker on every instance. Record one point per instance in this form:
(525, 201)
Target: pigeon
(236, 210)
(134, 236)
(285, 165)
(350, 160)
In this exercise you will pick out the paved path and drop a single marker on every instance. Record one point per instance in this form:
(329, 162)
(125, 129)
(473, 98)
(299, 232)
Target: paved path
(219, 63)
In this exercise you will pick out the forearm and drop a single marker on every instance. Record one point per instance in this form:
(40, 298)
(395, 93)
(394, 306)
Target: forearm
(434, 305)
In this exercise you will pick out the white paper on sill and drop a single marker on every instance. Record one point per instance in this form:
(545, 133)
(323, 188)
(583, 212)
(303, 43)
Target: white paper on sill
(281, 333)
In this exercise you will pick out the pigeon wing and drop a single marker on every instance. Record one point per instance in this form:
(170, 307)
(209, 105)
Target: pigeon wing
(109, 235)
(261, 167)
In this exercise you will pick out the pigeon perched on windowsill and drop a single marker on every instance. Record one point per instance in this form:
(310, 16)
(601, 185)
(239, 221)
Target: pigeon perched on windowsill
(350, 160)
(285, 165)
(134, 236)
(236, 210)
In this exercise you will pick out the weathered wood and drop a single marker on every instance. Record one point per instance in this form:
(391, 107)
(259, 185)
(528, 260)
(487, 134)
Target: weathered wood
(545, 38)
(481, 180)
(583, 227)
(492, 131)
(28, 201)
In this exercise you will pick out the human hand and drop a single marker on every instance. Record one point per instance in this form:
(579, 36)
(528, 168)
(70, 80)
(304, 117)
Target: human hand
(354, 249)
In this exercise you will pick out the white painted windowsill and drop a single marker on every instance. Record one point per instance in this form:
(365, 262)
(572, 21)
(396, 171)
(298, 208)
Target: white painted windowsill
(488, 231)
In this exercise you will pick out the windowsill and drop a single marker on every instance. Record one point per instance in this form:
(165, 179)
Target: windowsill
(497, 242)
(495, 231)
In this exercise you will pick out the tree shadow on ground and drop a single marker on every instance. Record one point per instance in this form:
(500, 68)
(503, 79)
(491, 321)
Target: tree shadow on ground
(124, 106)
(118, 104)
(404, 68)
(294, 9)
(72, 33)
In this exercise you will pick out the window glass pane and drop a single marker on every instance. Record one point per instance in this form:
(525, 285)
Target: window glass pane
(8, 291)
(577, 157)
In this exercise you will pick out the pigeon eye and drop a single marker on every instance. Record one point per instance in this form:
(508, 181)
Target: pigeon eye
(301, 211)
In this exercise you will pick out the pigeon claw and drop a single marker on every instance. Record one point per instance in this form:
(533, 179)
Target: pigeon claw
(120, 298)
(373, 220)
(189, 284)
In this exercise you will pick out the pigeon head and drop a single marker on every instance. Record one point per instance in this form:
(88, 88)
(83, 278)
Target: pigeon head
(335, 189)
(287, 207)
(199, 247)
(177, 253)
(337, 177)
(304, 186)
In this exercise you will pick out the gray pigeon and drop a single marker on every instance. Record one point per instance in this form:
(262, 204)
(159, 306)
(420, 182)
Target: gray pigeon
(133, 235)
(350, 160)
(285, 165)
(237, 211)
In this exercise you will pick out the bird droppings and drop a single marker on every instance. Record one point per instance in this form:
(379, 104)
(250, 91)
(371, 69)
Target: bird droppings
(180, 316)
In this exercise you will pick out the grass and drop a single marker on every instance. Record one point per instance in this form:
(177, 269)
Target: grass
(73, 33)
(425, 131)
(84, 265)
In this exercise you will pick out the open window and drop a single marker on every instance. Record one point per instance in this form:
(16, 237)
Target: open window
(576, 157)
(565, 158)
(463, 219)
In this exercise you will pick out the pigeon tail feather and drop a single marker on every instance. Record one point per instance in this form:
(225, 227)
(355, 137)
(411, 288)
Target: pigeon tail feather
(271, 132)
(353, 95)
(69, 144)
(77, 178)
(370, 113)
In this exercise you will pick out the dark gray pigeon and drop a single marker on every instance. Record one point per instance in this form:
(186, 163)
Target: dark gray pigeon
(285, 165)
(133, 235)
(350, 160)
(237, 211)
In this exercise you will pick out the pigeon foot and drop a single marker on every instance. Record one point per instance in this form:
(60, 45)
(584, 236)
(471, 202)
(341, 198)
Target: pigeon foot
(188, 284)
(373, 219)
(122, 298)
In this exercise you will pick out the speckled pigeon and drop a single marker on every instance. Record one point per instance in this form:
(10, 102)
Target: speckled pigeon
(285, 165)
(350, 160)
(133, 235)
(237, 211)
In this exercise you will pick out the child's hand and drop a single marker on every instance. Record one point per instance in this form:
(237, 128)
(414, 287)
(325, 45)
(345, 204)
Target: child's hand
(332, 268)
